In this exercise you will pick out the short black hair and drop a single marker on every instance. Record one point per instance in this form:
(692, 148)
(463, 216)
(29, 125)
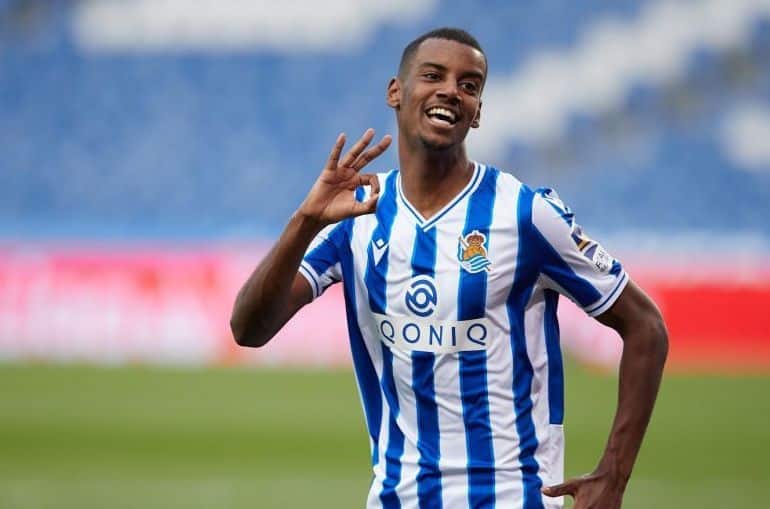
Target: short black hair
(446, 33)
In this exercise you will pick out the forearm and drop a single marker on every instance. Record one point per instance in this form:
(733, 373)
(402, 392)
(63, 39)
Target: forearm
(263, 303)
(641, 368)
(270, 296)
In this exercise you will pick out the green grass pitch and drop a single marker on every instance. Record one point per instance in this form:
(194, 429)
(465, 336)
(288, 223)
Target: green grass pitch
(82, 437)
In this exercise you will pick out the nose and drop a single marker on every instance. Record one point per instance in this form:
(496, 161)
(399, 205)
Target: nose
(449, 91)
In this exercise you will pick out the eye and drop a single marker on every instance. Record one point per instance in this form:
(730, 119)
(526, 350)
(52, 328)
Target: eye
(470, 87)
(430, 75)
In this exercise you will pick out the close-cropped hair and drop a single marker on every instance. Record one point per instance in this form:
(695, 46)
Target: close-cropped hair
(446, 33)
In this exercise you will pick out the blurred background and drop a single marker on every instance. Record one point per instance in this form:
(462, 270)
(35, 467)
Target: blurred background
(151, 151)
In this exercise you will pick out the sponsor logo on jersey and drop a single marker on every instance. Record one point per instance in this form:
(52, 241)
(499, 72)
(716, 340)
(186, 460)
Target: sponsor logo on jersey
(421, 297)
(410, 334)
(472, 252)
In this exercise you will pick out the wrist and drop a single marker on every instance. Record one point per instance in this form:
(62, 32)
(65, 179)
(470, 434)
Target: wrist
(613, 468)
(307, 222)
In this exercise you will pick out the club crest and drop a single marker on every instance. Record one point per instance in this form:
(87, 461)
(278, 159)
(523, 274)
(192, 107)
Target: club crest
(472, 253)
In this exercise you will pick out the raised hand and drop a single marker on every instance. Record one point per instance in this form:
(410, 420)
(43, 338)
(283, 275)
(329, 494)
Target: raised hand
(331, 198)
(592, 491)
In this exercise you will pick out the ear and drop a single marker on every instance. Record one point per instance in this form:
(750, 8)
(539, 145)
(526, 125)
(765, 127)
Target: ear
(393, 96)
(477, 119)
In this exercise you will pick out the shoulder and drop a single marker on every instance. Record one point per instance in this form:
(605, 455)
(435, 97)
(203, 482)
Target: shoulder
(506, 185)
(548, 206)
(511, 193)
(541, 202)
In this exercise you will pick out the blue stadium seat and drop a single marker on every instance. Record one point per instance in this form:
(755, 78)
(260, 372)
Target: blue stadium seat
(212, 145)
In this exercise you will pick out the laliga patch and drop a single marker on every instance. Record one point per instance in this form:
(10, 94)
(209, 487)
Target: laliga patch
(601, 259)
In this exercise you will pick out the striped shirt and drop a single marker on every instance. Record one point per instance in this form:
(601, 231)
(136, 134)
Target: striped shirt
(454, 337)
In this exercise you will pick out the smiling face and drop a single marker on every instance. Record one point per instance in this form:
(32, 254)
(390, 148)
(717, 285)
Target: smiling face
(438, 96)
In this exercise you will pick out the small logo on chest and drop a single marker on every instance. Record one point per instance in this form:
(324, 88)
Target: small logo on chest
(472, 252)
(379, 247)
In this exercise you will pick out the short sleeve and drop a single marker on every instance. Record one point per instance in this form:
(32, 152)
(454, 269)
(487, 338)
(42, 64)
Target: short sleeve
(321, 263)
(572, 263)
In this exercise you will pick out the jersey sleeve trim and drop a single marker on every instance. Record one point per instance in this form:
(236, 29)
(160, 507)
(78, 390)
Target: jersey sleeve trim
(610, 299)
(309, 273)
(321, 263)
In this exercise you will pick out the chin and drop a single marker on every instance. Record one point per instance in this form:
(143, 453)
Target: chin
(439, 143)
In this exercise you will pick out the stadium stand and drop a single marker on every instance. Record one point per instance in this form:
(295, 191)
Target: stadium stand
(149, 153)
(148, 144)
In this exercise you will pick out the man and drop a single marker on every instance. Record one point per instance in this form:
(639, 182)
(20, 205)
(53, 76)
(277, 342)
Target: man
(451, 271)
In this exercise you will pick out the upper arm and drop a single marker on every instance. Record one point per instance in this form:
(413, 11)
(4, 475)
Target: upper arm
(634, 310)
(321, 266)
(580, 268)
(571, 262)
(301, 294)
(266, 303)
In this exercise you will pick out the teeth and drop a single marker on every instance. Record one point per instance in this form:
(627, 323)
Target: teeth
(441, 111)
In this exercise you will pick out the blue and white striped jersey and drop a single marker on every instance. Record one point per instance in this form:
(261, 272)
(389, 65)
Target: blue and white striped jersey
(455, 343)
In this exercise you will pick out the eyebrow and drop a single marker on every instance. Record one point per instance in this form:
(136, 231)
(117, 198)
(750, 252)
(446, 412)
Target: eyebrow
(473, 74)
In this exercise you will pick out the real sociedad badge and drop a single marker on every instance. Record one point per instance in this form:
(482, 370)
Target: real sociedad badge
(471, 252)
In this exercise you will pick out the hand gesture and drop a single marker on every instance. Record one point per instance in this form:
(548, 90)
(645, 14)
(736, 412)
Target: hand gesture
(593, 491)
(332, 198)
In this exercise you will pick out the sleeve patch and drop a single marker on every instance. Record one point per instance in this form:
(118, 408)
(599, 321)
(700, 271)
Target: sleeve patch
(600, 259)
(582, 241)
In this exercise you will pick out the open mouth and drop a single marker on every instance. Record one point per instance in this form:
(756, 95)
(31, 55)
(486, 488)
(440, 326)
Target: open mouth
(441, 116)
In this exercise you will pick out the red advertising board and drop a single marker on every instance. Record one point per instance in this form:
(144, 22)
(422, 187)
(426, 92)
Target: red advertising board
(172, 305)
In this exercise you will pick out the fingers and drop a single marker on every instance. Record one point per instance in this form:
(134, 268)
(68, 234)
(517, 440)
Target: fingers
(367, 207)
(558, 490)
(370, 204)
(334, 156)
(373, 153)
(359, 147)
(356, 157)
(372, 181)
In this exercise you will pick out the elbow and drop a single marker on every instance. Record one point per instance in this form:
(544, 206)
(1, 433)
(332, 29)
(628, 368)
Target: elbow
(645, 336)
(656, 335)
(661, 341)
(244, 335)
(238, 333)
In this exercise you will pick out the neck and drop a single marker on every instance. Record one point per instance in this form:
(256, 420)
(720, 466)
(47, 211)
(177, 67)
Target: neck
(431, 178)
